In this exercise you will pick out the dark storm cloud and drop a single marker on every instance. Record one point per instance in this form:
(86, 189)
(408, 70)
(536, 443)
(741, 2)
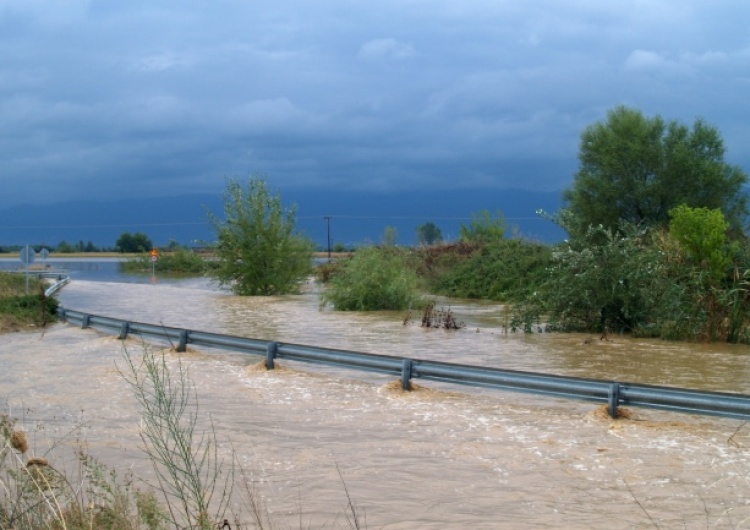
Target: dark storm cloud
(117, 99)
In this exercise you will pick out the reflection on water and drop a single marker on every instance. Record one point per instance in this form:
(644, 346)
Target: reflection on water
(441, 457)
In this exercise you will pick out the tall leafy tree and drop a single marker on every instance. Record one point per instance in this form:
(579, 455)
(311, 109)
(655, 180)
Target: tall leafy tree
(429, 234)
(389, 237)
(127, 242)
(636, 169)
(258, 250)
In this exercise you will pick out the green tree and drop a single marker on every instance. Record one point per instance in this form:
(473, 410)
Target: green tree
(429, 234)
(636, 169)
(389, 237)
(137, 242)
(258, 250)
(64, 247)
(484, 228)
(702, 234)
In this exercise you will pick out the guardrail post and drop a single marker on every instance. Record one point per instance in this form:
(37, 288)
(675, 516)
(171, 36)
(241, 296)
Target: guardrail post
(124, 330)
(406, 369)
(271, 350)
(182, 346)
(85, 321)
(613, 399)
(61, 314)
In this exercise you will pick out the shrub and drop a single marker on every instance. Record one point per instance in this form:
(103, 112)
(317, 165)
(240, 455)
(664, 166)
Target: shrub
(615, 285)
(181, 261)
(505, 269)
(641, 281)
(372, 279)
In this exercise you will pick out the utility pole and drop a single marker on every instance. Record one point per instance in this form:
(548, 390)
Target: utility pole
(328, 225)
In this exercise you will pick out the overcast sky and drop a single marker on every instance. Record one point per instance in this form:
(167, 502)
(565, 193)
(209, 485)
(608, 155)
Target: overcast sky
(119, 98)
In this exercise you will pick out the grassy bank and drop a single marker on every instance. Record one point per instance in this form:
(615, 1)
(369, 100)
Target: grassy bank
(23, 305)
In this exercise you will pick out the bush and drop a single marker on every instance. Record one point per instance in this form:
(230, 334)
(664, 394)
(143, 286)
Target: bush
(181, 261)
(591, 286)
(374, 278)
(504, 270)
(640, 281)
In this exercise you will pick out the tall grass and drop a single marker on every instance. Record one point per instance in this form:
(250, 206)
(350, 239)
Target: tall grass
(191, 477)
(21, 307)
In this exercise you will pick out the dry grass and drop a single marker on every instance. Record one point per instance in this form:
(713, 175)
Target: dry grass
(15, 313)
(10, 324)
(18, 441)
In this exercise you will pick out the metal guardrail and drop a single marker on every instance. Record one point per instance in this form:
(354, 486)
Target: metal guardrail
(61, 281)
(612, 393)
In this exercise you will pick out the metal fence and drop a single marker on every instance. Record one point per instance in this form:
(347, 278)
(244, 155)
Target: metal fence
(610, 392)
(60, 281)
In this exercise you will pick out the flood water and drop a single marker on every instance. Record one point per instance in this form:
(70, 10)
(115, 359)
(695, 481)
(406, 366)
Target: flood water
(440, 457)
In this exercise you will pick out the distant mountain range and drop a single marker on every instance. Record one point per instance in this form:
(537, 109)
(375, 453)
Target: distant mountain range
(353, 218)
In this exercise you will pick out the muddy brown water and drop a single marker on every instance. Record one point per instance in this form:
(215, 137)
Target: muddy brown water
(440, 457)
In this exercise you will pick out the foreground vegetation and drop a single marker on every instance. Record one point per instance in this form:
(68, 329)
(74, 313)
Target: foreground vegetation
(194, 487)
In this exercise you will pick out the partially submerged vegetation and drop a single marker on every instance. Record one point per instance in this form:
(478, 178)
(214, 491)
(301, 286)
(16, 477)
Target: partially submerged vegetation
(689, 281)
(374, 278)
(657, 244)
(23, 304)
(644, 282)
(179, 261)
(258, 250)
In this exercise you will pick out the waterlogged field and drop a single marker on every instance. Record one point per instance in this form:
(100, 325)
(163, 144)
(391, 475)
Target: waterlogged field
(440, 457)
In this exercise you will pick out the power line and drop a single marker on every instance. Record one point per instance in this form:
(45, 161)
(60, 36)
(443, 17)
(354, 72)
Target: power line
(196, 223)
(419, 217)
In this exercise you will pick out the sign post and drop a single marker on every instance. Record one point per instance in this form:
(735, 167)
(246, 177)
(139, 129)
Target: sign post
(27, 256)
(154, 258)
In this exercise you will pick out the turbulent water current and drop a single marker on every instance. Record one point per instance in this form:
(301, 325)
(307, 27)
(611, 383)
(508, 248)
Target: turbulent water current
(438, 457)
